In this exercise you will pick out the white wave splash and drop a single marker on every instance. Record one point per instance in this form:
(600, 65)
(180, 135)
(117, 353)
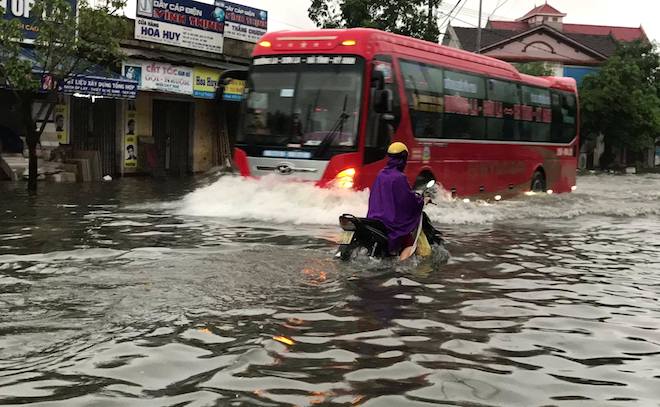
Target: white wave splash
(272, 200)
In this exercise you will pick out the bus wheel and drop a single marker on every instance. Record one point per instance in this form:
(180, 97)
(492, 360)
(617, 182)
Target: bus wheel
(423, 179)
(538, 182)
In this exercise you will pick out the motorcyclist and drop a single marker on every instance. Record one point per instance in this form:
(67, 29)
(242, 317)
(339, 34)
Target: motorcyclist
(393, 202)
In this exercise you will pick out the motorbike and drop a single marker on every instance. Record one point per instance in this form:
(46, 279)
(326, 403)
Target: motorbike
(362, 235)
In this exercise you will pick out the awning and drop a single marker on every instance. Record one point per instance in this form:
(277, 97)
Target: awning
(94, 81)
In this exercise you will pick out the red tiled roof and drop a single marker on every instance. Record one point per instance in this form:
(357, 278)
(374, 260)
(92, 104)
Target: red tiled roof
(543, 9)
(619, 33)
(508, 25)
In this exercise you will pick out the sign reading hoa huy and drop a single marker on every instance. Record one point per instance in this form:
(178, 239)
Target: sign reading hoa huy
(243, 23)
(22, 11)
(183, 23)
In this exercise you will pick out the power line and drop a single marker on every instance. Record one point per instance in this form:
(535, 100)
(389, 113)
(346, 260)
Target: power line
(452, 10)
(451, 19)
(497, 7)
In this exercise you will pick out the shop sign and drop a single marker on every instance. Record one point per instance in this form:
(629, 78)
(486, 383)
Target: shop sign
(22, 10)
(98, 86)
(234, 90)
(131, 139)
(182, 23)
(205, 82)
(243, 23)
(62, 122)
(160, 77)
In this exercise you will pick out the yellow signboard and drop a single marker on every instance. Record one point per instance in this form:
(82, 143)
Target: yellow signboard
(234, 90)
(205, 82)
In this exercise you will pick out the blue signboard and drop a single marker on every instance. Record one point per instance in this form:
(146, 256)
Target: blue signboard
(579, 72)
(100, 86)
(183, 23)
(22, 10)
(243, 23)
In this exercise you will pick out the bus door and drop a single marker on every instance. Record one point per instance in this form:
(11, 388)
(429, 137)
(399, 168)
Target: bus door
(383, 117)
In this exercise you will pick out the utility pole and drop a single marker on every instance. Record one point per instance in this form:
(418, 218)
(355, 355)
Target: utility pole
(478, 50)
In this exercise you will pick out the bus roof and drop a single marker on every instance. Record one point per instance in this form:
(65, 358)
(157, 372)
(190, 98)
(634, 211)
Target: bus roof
(369, 42)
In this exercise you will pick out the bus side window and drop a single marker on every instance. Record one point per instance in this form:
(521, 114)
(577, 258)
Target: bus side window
(500, 110)
(557, 118)
(382, 126)
(423, 86)
(463, 102)
(536, 102)
(569, 114)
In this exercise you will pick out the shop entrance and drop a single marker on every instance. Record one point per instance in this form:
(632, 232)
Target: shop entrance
(171, 131)
(93, 129)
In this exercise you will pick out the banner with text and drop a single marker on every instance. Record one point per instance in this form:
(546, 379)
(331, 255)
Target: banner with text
(205, 82)
(243, 23)
(131, 138)
(62, 122)
(234, 90)
(183, 23)
(22, 10)
(99, 86)
(160, 77)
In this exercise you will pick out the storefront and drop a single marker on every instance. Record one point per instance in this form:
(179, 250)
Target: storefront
(174, 127)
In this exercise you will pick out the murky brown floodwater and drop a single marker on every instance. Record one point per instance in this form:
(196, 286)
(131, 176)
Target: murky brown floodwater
(133, 293)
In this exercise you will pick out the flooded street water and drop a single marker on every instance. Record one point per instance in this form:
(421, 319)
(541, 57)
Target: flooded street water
(201, 293)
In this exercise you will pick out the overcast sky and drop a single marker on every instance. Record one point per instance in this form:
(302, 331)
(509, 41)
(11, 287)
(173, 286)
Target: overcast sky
(292, 14)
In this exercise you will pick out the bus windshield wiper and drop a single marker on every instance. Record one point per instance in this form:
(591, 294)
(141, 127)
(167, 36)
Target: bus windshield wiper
(338, 128)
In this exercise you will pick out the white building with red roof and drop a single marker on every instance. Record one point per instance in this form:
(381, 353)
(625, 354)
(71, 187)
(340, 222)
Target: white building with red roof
(541, 35)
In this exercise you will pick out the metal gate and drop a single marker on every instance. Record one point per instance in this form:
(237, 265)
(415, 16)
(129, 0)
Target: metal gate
(171, 130)
(93, 128)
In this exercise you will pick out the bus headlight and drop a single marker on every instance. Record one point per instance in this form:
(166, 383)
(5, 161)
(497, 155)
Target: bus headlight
(573, 188)
(345, 178)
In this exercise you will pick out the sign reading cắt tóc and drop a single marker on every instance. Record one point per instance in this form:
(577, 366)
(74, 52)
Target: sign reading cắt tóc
(160, 77)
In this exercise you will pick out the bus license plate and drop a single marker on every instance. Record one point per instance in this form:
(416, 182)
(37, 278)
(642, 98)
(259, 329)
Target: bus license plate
(346, 237)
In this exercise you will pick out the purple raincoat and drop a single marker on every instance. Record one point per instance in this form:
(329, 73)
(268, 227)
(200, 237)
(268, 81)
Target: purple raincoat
(394, 203)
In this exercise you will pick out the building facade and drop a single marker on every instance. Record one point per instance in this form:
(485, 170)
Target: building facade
(171, 122)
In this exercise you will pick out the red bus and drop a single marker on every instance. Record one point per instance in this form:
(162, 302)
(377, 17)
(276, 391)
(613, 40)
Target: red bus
(324, 105)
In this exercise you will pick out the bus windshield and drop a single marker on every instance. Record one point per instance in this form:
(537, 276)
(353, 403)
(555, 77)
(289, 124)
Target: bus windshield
(305, 102)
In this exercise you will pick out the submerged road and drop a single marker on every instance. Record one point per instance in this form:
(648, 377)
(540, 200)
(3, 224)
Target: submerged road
(193, 292)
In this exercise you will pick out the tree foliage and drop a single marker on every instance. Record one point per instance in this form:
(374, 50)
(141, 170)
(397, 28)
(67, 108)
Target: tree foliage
(407, 17)
(622, 101)
(66, 44)
(534, 68)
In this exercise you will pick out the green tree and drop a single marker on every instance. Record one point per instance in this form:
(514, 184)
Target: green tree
(534, 68)
(67, 44)
(622, 101)
(413, 18)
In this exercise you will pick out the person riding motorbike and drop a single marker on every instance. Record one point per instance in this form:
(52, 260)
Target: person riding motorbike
(393, 202)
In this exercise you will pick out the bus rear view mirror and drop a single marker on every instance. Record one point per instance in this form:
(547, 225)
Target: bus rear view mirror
(377, 79)
(382, 102)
